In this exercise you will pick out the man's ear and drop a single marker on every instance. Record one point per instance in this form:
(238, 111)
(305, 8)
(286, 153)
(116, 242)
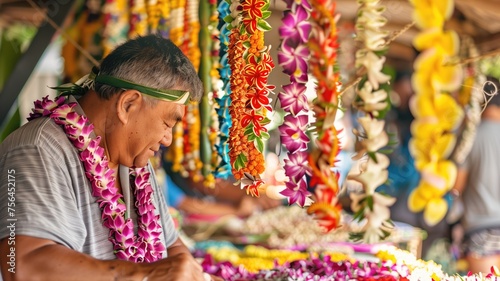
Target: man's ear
(128, 102)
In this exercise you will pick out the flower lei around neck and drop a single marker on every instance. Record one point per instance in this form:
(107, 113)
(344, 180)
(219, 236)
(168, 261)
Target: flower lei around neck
(146, 245)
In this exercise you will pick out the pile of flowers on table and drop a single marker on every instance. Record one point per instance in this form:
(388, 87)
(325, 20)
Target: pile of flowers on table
(258, 263)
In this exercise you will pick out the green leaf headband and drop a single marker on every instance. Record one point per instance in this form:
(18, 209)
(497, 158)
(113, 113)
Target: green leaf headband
(175, 96)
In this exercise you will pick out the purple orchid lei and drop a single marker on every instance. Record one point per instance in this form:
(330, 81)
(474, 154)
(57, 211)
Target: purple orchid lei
(293, 57)
(146, 245)
(313, 269)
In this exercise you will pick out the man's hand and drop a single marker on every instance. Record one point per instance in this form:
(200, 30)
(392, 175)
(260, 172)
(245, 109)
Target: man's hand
(35, 255)
(215, 278)
(178, 267)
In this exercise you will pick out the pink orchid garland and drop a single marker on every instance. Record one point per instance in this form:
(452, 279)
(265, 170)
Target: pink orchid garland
(293, 56)
(146, 246)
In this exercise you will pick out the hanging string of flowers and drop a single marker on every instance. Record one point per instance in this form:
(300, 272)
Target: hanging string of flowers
(323, 44)
(216, 90)
(163, 27)
(470, 97)
(250, 64)
(177, 21)
(138, 19)
(176, 150)
(372, 102)
(192, 128)
(436, 112)
(116, 24)
(292, 57)
(208, 18)
(153, 12)
(222, 98)
(192, 28)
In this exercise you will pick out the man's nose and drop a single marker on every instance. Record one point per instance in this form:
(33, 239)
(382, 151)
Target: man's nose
(167, 139)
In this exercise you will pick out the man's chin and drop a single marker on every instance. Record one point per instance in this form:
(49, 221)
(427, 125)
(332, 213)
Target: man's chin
(140, 164)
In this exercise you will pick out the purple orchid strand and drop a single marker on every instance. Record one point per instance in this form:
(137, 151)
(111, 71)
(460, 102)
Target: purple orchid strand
(293, 56)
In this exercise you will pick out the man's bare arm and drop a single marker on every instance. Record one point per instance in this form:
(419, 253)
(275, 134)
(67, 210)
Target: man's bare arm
(460, 182)
(42, 259)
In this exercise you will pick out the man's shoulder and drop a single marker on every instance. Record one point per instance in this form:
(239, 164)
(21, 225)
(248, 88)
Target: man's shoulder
(41, 132)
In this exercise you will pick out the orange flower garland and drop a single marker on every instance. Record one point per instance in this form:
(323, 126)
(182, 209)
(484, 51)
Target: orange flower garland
(176, 151)
(239, 148)
(250, 64)
(192, 30)
(323, 44)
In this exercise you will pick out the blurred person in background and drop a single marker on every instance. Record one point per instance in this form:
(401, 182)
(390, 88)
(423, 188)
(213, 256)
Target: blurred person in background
(478, 185)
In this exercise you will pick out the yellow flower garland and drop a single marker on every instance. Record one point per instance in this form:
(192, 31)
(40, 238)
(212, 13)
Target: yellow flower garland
(138, 19)
(191, 49)
(176, 150)
(256, 258)
(116, 26)
(437, 114)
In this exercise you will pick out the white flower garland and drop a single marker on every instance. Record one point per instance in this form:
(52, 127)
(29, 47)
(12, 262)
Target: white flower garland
(371, 206)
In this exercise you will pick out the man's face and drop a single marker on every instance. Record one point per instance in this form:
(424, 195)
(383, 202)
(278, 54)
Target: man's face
(148, 129)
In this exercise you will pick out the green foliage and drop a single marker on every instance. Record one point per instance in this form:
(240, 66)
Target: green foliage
(14, 40)
(259, 144)
(11, 125)
(263, 25)
(491, 67)
(20, 35)
(264, 135)
(240, 162)
(360, 214)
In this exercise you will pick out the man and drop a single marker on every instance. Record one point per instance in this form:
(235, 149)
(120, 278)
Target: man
(74, 210)
(478, 181)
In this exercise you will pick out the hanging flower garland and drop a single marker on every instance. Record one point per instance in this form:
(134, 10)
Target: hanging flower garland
(323, 44)
(175, 153)
(471, 97)
(154, 13)
(216, 90)
(369, 205)
(207, 20)
(222, 98)
(138, 19)
(146, 245)
(250, 64)
(163, 26)
(177, 21)
(436, 112)
(292, 57)
(192, 28)
(192, 125)
(184, 152)
(116, 23)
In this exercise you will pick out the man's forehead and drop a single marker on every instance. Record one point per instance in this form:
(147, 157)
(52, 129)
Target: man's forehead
(173, 110)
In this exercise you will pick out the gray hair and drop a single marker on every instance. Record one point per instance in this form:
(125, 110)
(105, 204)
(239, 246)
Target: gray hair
(150, 61)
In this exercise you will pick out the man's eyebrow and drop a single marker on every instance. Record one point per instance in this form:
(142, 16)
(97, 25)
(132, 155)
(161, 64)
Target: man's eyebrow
(175, 114)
